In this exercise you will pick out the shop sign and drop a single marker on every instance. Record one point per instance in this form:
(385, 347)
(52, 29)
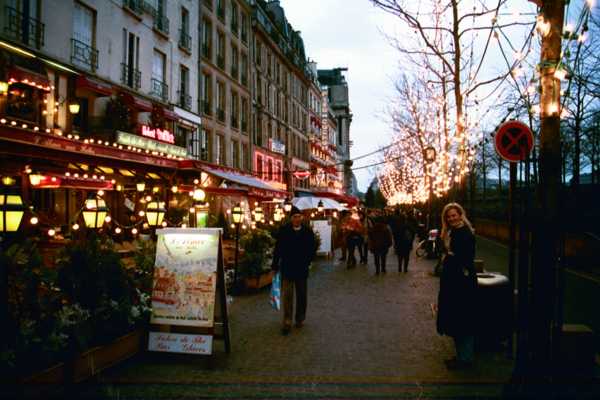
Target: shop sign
(185, 275)
(128, 139)
(158, 134)
(180, 343)
(277, 146)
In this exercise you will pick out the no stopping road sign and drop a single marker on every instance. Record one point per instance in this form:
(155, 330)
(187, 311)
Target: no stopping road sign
(513, 141)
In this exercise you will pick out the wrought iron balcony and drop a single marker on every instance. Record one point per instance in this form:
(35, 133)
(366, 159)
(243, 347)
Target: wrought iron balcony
(29, 31)
(234, 28)
(244, 35)
(205, 50)
(221, 12)
(234, 71)
(84, 55)
(234, 121)
(159, 89)
(130, 76)
(185, 40)
(161, 23)
(185, 100)
(244, 126)
(136, 6)
(244, 79)
(206, 108)
(221, 114)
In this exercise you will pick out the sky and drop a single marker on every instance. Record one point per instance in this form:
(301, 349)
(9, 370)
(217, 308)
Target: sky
(348, 33)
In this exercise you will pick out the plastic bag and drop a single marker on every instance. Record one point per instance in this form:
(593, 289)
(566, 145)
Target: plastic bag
(275, 297)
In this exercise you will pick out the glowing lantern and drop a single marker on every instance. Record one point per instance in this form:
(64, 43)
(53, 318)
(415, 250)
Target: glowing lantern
(94, 213)
(11, 212)
(155, 213)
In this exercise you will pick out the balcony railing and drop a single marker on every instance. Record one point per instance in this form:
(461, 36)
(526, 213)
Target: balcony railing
(159, 89)
(84, 55)
(244, 35)
(234, 28)
(185, 40)
(244, 126)
(29, 31)
(130, 76)
(208, 3)
(234, 71)
(220, 61)
(205, 50)
(185, 100)
(221, 114)
(234, 121)
(221, 13)
(137, 6)
(161, 23)
(206, 109)
(244, 79)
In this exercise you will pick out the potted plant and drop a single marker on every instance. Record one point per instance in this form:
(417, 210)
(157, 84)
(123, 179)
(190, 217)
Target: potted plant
(254, 266)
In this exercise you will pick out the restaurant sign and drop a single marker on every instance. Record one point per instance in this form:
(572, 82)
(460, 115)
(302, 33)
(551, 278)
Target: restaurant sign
(159, 134)
(129, 139)
(277, 146)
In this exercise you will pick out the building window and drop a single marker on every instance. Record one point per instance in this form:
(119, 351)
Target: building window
(185, 40)
(83, 52)
(130, 73)
(244, 69)
(221, 10)
(206, 39)
(220, 50)
(204, 153)
(185, 100)
(234, 62)
(159, 87)
(244, 156)
(221, 101)
(259, 167)
(234, 109)
(22, 22)
(182, 137)
(258, 54)
(244, 121)
(234, 18)
(244, 26)
(235, 154)
(206, 93)
(220, 148)
(270, 169)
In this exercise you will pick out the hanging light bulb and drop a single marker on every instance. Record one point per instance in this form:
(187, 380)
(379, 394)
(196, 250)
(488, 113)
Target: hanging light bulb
(34, 220)
(118, 230)
(75, 226)
(134, 231)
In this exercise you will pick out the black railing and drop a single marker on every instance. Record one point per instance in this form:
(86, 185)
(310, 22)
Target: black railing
(221, 12)
(244, 35)
(185, 40)
(205, 50)
(208, 3)
(234, 71)
(234, 121)
(206, 107)
(234, 28)
(159, 89)
(130, 76)
(29, 31)
(221, 114)
(244, 126)
(185, 100)
(161, 23)
(220, 61)
(244, 79)
(83, 55)
(137, 6)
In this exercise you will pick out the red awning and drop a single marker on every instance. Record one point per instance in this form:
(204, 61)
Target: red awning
(342, 198)
(137, 102)
(22, 75)
(170, 115)
(54, 182)
(85, 82)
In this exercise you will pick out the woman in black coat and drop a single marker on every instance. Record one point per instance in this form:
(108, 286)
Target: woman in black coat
(458, 282)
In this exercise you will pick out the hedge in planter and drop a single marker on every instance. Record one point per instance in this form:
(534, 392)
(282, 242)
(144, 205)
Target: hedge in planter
(258, 247)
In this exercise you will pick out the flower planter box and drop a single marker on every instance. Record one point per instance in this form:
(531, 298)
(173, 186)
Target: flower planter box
(92, 361)
(259, 281)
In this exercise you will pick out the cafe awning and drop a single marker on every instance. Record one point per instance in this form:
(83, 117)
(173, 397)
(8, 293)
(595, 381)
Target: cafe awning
(85, 82)
(256, 187)
(18, 74)
(137, 102)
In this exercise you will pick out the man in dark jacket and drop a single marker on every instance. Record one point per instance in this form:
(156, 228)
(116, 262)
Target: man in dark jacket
(294, 250)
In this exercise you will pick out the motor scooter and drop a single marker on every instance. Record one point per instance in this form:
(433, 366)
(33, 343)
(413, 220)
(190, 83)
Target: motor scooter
(430, 247)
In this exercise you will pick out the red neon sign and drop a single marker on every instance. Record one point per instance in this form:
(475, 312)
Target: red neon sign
(158, 134)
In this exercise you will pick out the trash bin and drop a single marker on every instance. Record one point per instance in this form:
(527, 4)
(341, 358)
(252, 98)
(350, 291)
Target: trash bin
(494, 309)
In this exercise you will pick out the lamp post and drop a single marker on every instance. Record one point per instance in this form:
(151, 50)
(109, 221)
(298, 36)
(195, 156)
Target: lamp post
(258, 214)
(94, 212)
(429, 156)
(155, 213)
(237, 214)
(320, 206)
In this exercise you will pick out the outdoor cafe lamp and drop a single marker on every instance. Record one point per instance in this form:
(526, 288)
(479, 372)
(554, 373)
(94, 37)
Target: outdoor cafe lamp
(74, 107)
(199, 195)
(94, 213)
(155, 213)
(11, 212)
(140, 186)
(287, 206)
(258, 214)
(277, 215)
(237, 214)
(320, 206)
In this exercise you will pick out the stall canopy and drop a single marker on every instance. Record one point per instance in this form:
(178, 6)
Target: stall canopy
(310, 202)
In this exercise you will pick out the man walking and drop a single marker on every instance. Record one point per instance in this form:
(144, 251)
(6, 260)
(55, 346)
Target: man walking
(294, 250)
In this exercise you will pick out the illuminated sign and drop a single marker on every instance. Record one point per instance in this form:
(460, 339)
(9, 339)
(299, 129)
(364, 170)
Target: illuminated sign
(158, 134)
(128, 139)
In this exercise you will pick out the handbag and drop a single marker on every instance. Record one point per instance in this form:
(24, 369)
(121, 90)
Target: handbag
(275, 295)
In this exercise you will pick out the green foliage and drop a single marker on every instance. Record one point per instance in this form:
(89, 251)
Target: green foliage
(258, 246)
(118, 115)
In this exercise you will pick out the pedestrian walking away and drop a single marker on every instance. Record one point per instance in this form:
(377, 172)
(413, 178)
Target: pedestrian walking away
(295, 249)
(404, 235)
(380, 241)
(354, 233)
(458, 283)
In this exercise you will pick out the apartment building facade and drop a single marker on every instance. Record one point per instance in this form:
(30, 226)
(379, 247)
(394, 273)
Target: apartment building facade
(225, 55)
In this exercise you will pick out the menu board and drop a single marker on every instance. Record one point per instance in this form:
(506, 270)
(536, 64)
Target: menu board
(324, 229)
(185, 276)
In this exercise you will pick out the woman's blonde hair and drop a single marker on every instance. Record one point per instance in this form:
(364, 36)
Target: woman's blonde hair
(445, 229)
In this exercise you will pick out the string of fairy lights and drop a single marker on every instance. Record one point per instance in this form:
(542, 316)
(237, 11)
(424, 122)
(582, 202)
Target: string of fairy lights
(407, 177)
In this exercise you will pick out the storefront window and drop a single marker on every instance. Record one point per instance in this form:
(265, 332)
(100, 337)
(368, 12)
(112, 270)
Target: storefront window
(23, 101)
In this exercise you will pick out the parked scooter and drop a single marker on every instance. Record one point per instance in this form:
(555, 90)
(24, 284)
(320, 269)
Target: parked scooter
(430, 247)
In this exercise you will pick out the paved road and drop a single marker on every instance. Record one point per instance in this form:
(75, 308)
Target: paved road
(365, 335)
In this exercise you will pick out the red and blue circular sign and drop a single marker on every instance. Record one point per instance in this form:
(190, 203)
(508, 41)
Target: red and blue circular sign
(513, 141)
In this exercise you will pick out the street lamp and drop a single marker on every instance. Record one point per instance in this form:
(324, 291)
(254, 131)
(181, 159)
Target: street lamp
(238, 215)
(258, 214)
(429, 155)
(155, 213)
(277, 215)
(11, 212)
(287, 206)
(94, 213)
(320, 206)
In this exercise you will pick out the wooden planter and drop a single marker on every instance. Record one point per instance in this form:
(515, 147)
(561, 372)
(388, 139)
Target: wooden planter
(92, 361)
(259, 281)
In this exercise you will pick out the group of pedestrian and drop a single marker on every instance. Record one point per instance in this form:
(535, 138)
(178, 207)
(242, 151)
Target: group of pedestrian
(296, 247)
